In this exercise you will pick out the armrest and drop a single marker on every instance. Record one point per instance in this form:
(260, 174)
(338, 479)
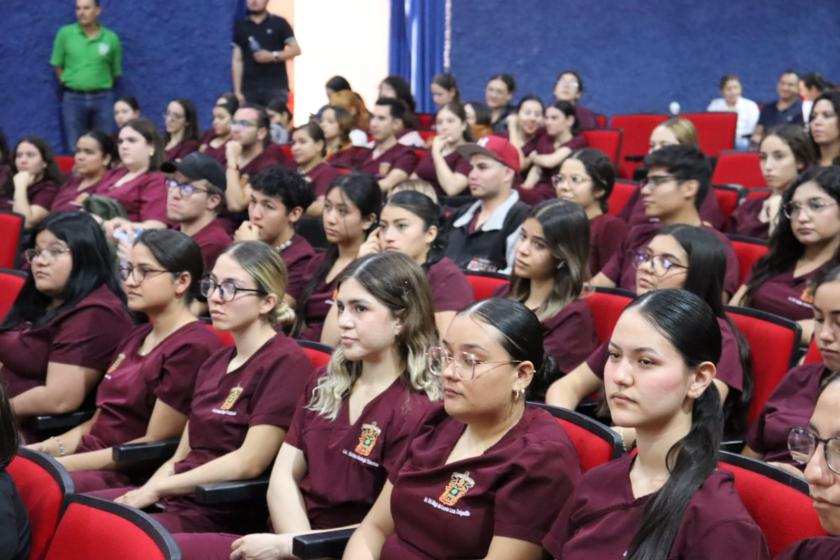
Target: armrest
(59, 423)
(158, 451)
(733, 445)
(232, 492)
(634, 158)
(327, 544)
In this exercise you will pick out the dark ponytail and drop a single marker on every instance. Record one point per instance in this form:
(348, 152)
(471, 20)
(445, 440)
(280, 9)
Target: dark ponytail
(692, 328)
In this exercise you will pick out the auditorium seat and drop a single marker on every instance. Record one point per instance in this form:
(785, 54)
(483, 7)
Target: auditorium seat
(426, 120)
(485, 283)
(748, 250)
(621, 193)
(595, 443)
(11, 232)
(636, 129)
(65, 164)
(608, 140)
(812, 356)
(319, 354)
(739, 168)
(224, 336)
(427, 135)
(606, 305)
(11, 282)
(728, 197)
(715, 131)
(601, 120)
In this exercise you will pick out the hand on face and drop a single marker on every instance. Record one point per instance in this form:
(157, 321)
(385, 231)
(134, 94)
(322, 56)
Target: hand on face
(247, 232)
(372, 245)
(233, 151)
(23, 180)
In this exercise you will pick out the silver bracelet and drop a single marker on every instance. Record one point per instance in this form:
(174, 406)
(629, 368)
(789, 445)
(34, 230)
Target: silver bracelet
(60, 446)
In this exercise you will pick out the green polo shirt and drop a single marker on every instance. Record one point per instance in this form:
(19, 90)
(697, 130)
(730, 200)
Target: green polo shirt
(89, 64)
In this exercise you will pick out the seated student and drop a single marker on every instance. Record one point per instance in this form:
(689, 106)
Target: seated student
(524, 129)
(587, 177)
(693, 259)
(811, 86)
(126, 108)
(416, 185)
(96, 153)
(548, 277)
(792, 403)
(498, 96)
(444, 90)
(382, 370)
(16, 531)
(732, 101)
(5, 159)
(278, 200)
(443, 167)
(673, 132)
(353, 103)
(478, 117)
(281, 120)
(785, 152)
(559, 140)
(244, 395)
(482, 467)
(408, 224)
(677, 179)
(824, 128)
(137, 184)
(389, 162)
(396, 87)
(335, 84)
(668, 500)
(182, 129)
(351, 211)
(309, 146)
(214, 142)
(822, 470)
(806, 240)
(569, 87)
(483, 235)
(145, 395)
(246, 155)
(787, 109)
(60, 335)
(33, 182)
(337, 124)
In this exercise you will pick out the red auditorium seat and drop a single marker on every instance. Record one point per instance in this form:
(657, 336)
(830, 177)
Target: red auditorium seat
(622, 192)
(813, 356)
(485, 283)
(11, 282)
(11, 232)
(601, 120)
(715, 131)
(425, 120)
(739, 168)
(224, 336)
(421, 153)
(636, 131)
(65, 163)
(728, 197)
(427, 135)
(319, 354)
(608, 140)
(606, 305)
(595, 443)
(748, 250)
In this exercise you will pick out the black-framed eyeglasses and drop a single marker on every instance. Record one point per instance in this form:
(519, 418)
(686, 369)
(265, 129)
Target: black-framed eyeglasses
(575, 180)
(227, 288)
(656, 180)
(139, 273)
(463, 364)
(243, 123)
(659, 262)
(50, 253)
(802, 444)
(813, 206)
(184, 189)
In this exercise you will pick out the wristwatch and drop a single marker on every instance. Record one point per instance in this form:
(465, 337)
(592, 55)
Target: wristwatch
(275, 55)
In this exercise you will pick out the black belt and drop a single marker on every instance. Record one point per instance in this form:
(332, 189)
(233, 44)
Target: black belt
(88, 92)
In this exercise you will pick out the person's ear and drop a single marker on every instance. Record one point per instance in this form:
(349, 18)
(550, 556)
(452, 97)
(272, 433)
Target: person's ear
(268, 303)
(524, 375)
(369, 221)
(690, 188)
(702, 377)
(430, 235)
(295, 214)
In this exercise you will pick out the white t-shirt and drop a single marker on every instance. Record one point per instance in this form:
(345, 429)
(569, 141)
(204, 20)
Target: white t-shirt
(748, 113)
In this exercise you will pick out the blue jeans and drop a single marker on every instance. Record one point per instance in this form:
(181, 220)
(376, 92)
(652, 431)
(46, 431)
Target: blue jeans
(81, 112)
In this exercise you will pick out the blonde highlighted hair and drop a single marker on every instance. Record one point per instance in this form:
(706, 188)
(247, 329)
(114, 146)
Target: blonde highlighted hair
(268, 270)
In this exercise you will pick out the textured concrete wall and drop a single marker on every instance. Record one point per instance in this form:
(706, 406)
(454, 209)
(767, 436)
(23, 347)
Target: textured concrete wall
(171, 48)
(637, 55)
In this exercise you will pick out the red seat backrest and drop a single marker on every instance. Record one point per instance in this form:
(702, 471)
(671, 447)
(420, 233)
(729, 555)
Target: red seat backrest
(601, 120)
(606, 306)
(42, 485)
(11, 281)
(636, 131)
(421, 153)
(773, 342)
(608, 140)
(715, 131)
(739, 168)
(11, 230)
(595, 443)
(65, 163)
(748, 251)
(425, 120)
(224, 336)
(343, 170)
(485, 283)
(427, 135)
(319, 354)
(813, 355)
(622, 192)
(757, 193)
(727, 198)
(783, 513)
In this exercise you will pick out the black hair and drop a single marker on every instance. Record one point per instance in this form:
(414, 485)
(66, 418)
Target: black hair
(787, 71)
(429, 213)
(9, 438)
(51, 170)
(457, 109)
(507, 79)
(833, 97)
(229, 102)
(447, 81)
(402, 90)
(4, 149)
(106, 145)
(147, 129)
(568, 109)
(92, 267)
(278, 105)
(784, 249)
(176, 252)
(686, 163)
(816, 80)
(573, 73)
(129, 100)
(314, 130)
(287, 186)
(483, 116)
(396, 107)
(600, 170)
(691, 326)
(530, 97)
(338, 83)
(364, 193)
(191, 128)
(727, 78)
(798, 142)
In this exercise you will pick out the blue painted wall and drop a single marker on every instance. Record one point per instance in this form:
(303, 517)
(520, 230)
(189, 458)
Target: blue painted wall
(171, 48)
(638, 55)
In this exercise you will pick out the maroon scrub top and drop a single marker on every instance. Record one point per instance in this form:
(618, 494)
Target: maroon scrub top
(144, 197)
(319, 303)
(745, 221)
(620, 268)
(634, 212)
(812, 549)
(278, 156)
(396, 157)
(68, 198)
(347, 463)
(451, 291)
(791, 405)
(219, 154)
(321, 177)
(426, 169)
(297, 257)
(129, 389)
(606, 233)
(42, 194)
(85, 336)
(787, 296)
(514, 489)
(545, 145)
(212, 239)
(351, 157)
(182, 150)
(602, 516)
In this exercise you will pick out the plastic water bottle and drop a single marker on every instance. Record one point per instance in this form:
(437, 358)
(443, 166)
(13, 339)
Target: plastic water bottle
(674, 107)
(254, 44)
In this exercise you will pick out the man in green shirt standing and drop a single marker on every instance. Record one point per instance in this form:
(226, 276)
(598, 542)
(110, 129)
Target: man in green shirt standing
(87, 59)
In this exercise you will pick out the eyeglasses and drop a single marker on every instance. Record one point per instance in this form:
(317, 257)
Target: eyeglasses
(173, 116)
(656, 180)
(184, 189)
(802, 444)
(814, 206)
(573, 83)
(575, 180)
(243, 123)
(463, 363)
(227, 289)
(659, 262)
(49, 254)
(139, 273)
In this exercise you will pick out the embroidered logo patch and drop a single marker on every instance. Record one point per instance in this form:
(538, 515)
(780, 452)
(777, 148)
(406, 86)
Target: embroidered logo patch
(116, 363)
(458, 486)
(232, 397)
(367, 439)
(808, 295)
(384, 168)
(103, 49)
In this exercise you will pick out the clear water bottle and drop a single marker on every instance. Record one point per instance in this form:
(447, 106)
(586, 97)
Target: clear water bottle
(254, 44)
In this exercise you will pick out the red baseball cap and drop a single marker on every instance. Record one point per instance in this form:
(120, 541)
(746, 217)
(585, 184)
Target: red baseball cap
(494, 147)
